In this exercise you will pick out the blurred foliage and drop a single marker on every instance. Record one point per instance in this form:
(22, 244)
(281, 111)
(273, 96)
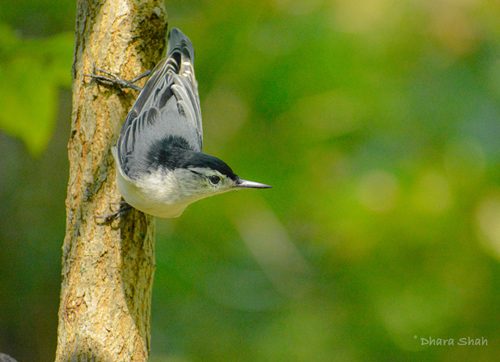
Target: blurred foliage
(377, 122)
(31, 73)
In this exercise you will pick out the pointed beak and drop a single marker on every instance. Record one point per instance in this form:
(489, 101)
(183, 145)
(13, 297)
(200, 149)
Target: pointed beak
(240, 183)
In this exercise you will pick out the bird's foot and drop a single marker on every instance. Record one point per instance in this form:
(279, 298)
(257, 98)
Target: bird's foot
(123, 209)
(113, 80)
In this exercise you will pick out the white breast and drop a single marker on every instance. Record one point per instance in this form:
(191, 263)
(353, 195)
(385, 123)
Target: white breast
(152, 194)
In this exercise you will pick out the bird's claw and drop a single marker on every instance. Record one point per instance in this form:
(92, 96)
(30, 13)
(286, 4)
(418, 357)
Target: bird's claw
(109, 218)
(113, 80)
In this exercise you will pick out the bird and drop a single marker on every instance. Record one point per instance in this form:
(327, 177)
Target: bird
(161, 168)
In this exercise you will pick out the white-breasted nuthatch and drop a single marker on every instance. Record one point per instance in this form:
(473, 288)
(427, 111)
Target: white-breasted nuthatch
(160, 165)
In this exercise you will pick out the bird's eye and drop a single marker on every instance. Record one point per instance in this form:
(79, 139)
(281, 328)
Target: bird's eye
(214, 179)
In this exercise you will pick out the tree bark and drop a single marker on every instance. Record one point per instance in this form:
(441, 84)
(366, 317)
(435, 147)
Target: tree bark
(107, 273)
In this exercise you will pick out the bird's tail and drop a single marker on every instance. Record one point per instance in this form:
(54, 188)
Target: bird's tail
(174, 71)
(178, 41)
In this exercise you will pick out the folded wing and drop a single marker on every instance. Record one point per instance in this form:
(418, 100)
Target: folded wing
(166, 113)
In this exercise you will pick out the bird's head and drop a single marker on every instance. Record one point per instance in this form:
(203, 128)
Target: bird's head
(203, 176)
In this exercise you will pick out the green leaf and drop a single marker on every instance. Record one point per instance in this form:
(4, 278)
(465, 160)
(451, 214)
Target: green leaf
(31, 73)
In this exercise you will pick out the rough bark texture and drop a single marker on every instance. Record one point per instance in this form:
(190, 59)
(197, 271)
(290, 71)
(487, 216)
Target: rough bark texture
(108, 269)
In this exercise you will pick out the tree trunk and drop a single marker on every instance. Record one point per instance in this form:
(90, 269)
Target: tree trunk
(108, 269)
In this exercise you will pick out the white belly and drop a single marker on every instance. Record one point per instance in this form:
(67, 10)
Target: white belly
(154, 200)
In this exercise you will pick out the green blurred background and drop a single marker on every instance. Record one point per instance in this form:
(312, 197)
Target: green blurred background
(377, 123)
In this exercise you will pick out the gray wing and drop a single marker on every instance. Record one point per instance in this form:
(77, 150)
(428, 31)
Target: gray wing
(167, 111)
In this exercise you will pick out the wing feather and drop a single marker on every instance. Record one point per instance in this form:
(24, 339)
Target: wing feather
(168, 108)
